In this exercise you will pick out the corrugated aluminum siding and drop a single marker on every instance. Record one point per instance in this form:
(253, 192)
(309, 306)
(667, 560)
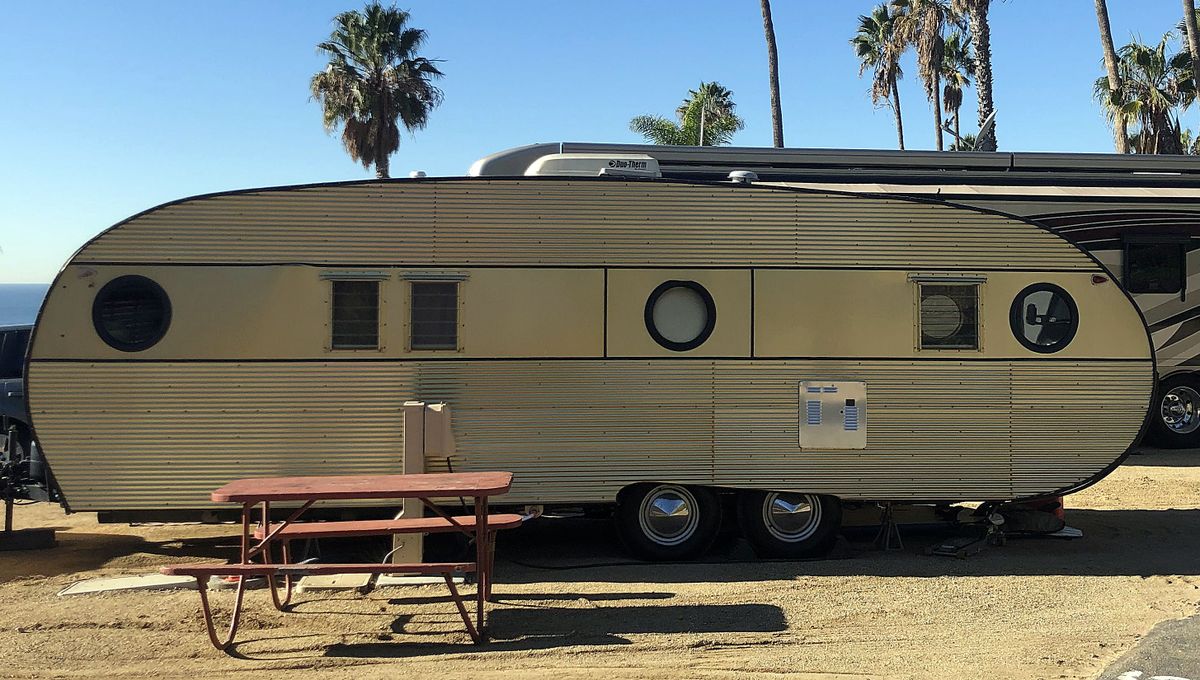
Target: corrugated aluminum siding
(579, 222)
(152, 435)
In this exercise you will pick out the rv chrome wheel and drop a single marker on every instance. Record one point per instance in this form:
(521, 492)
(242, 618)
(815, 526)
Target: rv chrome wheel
(668, 521)
(1180, 409)
(791, 517)
(789, 525)
(668, 514)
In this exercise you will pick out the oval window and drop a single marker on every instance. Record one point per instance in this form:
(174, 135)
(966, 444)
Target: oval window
(131, 313)
(680, 315)
(1044, 318)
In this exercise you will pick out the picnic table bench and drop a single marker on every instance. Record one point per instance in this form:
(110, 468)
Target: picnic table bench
(250, 493)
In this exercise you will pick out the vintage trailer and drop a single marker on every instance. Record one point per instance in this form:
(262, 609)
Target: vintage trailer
(646, 343)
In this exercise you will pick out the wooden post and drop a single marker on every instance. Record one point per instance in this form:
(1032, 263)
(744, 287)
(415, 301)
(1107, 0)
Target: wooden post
(411, 547)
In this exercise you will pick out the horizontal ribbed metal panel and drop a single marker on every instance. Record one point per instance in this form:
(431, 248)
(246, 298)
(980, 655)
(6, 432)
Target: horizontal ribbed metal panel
(146, 435)
(578, 222)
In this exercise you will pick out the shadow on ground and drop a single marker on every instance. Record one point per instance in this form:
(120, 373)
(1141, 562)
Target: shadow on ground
(1116, 542)
(544, 627)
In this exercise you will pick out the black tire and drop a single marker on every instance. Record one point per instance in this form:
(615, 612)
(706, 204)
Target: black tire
(813, 536)
(688, 518)
(1175, 413)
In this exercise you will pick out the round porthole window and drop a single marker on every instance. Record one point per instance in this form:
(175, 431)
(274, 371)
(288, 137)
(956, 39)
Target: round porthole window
(680, 315)
(131, 313)
(1044, 318)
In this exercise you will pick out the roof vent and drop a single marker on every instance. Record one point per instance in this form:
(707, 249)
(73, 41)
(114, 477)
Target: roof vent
(743, 177)
(591, 165)
(416, 174)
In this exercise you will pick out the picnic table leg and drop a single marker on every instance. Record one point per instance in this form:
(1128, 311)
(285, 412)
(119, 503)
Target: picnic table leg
(265, 524)
(285, 550)
(491, 566)
(247, 508)
(481, 563)
(202, 586)
(462, 609)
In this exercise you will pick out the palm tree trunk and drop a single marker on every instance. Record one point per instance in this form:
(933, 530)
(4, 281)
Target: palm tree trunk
(896, 110)
(958, 133)
(1120, 132)
(1193, 38)
(937, 110)
(382, 165)
(773, 71)
(981, 35)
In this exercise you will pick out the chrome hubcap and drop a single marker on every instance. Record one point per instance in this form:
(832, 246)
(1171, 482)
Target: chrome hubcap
(668, 514)
(1181, 409)
(791, 517)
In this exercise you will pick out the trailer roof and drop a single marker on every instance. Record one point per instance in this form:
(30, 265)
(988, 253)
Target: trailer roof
(883, 166)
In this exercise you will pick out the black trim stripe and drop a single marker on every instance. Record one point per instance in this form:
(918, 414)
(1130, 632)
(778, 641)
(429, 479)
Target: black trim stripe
(659, 357)
(474, 265)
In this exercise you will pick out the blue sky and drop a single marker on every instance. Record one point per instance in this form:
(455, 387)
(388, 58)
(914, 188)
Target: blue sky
(110, 108)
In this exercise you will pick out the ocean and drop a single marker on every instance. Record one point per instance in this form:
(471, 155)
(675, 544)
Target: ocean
(19, 302)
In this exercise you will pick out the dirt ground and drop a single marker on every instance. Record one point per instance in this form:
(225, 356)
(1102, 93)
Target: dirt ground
(571, 606)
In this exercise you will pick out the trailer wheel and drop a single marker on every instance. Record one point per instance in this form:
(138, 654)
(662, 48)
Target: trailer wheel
(668, 522)
(1176, 417)
(789, 525)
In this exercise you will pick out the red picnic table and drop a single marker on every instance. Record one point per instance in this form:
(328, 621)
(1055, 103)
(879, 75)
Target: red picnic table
(480, 486)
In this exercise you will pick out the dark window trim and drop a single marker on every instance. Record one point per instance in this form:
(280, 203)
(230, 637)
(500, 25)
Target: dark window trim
(977, 285)
(1152, 239)
(710, 308)
(333, 346)
(155, 290)
(1015, 323)
(412, 292)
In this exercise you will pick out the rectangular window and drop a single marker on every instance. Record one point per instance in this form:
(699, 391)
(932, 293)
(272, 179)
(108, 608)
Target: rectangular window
(949, 316)
(434, 316)
(355, 314)
(1155, 267)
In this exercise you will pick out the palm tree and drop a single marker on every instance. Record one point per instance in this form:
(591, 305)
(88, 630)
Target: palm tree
(374, 79)
(957, 68)
(705, 118)
(1154, 84)
(920, 24)
(871, 46)
(964, 143)
(1120, 131)
(713, 101)
(1192, 34)
(773, 72)
(976, 13)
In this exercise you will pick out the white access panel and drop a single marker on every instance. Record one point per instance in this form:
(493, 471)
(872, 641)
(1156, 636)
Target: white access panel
(833, 415)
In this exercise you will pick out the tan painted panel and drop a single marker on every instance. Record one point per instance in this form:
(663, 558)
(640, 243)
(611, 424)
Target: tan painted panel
(216, 312)
(531, 312)
(874, 314)
(283, 312)
(628, 290)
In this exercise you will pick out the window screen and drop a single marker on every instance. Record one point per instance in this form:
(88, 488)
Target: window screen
(949, 316)
(355, 314)
(434, 320)
(1154, 267)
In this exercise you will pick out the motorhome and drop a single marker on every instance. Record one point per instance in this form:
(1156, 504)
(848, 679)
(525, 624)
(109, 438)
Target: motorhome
(620, 341)
(1138, 214)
